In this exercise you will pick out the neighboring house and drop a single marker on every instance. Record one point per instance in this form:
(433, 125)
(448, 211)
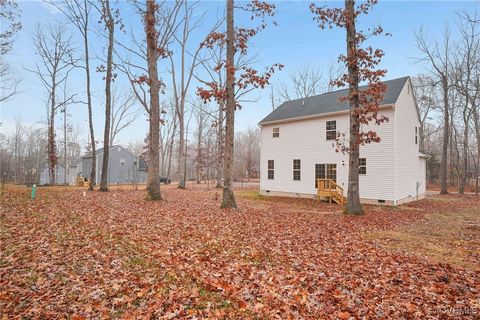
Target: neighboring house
(59, 175)
(74, 171)
(297, 148)
(123, 166)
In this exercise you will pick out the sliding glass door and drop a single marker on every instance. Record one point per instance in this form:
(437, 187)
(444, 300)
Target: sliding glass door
(325, 171)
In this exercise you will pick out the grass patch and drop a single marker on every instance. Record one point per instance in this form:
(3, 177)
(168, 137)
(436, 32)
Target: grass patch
(451, 237)
(137, 261)
(251, 194)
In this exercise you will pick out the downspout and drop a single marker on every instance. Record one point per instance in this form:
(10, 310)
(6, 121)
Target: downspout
(394, 155)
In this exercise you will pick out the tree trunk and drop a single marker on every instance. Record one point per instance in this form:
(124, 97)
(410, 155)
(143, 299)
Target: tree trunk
(181, 151)
(170, 149)
(446, 132)
(153, 183)
(51, 149)
(353, 205)
(228, 195)
(65, 145)
(199, 149)
(108, 97)
(220, 146)
(91, 182)
(476, 122)
(463, 177)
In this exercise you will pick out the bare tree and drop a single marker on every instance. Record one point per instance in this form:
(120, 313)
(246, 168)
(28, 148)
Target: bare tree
(168, 132)
(427, 102)
(467, 79)
(18, 145)
(203, 122)
(153, 186)
(247, 153)
(54, 48)
(140, 65)
(438, 56)
(78, 13)
(124, 112)
(215, 57)
(109, 22)
(182, 77)
(9, 83)
(236, 39)
(308, 81)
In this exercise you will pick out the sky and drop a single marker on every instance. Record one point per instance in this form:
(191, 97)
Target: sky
(295, 42)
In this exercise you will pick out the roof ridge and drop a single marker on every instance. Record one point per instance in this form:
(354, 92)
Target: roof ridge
(338, 90)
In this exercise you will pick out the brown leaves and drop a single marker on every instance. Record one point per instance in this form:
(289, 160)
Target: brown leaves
(116, 255)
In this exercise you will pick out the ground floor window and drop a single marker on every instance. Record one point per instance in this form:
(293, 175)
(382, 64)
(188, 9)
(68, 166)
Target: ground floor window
(296, 169)
(271, 169)
(325, 171)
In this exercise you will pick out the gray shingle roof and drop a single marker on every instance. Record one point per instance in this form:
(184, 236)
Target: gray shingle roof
(328, 102)
(99, 151)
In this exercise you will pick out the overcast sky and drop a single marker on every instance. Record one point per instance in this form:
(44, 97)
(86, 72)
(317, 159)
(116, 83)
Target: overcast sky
(295, 42)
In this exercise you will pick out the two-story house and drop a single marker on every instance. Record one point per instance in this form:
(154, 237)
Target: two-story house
(297, 148)
(123, 166)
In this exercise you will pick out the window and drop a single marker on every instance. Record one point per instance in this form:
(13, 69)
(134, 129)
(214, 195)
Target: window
(332, 172)
(296, 169)
(325, 171)
(362, 169)
(271, 169)
(416, 135)
(331, 130)
(319, 173)
(276, 132)
(122, 162)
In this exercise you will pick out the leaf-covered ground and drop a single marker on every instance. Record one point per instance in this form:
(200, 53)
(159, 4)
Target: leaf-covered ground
(115, 255)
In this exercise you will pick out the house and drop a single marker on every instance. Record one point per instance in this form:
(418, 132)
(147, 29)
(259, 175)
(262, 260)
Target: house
(297, 148)
(123, 166)
(74, 170)
(59, 175)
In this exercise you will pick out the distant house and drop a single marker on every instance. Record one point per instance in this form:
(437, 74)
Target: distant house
(123, 166)
(59, 175)
(74, 170)
(296, 148)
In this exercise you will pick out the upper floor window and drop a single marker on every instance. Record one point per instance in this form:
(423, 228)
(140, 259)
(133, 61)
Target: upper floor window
(271, 168)
(331, 130)
(296, 169)
(276, 132)
(362, 168)
(122, 162)
(416, 135)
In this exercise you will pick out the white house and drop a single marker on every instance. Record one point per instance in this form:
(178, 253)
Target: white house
(297, 148)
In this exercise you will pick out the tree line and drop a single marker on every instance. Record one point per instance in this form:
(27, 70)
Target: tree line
(176, 79)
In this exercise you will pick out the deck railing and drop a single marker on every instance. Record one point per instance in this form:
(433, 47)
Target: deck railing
(329, 185)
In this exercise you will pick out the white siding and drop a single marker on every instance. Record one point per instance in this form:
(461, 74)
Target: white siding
(306, 140)
(409, 168)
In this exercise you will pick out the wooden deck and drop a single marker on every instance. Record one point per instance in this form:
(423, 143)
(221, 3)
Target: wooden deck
(327, 188)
